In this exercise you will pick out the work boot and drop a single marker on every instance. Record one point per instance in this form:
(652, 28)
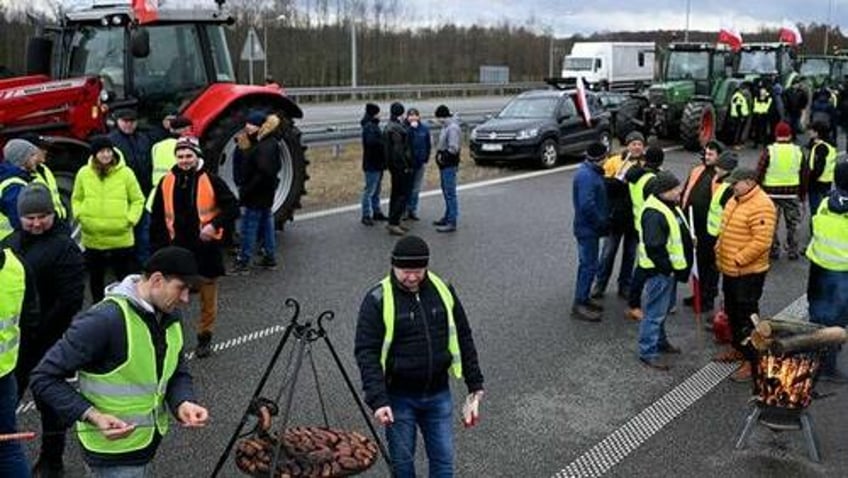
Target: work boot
(204, 348)
(595, 304)
(634, 314)
(656, 364)
(729, 355)
(585, 313)
(395, 230)
(379, 216)
(743, 373)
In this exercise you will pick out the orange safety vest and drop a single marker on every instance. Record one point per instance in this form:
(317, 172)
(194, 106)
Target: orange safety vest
(694, 176)
(207, 208)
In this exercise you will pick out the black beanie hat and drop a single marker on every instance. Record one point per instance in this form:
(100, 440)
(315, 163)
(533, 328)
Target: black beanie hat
(410, 252)
(715, 145)
(100, 142)
(728, 161)
(663, 182)
(442, 111)
(596, 151)
(840, 175)
(371, 109)
(654, 156)
(396, 109)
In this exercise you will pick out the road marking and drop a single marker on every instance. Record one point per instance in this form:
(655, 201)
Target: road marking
(607, 453)
(464, 187)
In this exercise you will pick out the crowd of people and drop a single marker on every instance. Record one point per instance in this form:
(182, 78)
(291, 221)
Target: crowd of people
(723, 221)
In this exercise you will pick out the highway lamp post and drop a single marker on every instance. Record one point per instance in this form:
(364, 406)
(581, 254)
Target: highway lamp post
(827, 25)
(688, 13)
(278, 19)
(352, 52)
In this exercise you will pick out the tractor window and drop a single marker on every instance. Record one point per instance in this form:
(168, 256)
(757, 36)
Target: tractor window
(757, 61)
(220, 54)
(815, 67)
(99, 52)
(688, 65)
(175, 64)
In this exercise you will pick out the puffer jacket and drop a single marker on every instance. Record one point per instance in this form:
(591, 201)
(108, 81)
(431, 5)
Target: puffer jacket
(745, 236)
(107, 207)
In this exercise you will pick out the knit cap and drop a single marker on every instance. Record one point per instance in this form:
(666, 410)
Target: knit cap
(410, 252)
(727, 161)
(663, 182)
(634, 136)
(35, 198)
(17, 151)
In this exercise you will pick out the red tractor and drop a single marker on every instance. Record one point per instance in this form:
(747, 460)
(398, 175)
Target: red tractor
(129, 54)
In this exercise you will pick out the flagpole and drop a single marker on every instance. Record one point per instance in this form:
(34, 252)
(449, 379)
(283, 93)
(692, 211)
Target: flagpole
(696, 281)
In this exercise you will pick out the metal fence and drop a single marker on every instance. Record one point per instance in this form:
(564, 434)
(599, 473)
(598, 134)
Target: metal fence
(340, 93)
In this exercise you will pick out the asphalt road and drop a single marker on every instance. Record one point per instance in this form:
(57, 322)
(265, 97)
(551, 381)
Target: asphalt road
(555, 386)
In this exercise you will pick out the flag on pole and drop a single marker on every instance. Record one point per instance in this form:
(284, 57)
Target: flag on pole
(730, 37)
(146, 11)
(789, 33)
(695, 280)
(582, 104)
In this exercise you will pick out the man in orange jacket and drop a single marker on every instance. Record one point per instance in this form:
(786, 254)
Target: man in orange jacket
(742, 253)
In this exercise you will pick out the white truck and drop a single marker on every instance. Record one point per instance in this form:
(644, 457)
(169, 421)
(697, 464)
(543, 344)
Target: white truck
(611, 65)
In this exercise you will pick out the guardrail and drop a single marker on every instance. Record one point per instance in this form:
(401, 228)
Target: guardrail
(338, 93)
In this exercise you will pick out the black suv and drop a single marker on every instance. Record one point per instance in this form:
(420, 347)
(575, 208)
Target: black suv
(540, 126)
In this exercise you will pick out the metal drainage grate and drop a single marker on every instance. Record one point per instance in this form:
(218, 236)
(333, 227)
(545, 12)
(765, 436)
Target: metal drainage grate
(608, 452)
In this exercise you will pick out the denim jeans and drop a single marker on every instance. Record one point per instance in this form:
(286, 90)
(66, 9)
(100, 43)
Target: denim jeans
(13, 461)
(659, 293)
(637, 285)
(371, 194)
(255, 224)
(827, 294)
(141, 231)
(417, 181)
(607, 262)
(143, 471)
(433, 414)
(448, 180)
(587, 250)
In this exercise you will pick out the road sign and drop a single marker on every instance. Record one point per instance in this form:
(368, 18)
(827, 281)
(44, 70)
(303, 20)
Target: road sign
(252, 50)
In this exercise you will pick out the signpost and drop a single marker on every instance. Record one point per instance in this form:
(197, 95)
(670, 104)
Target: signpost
(252, 51)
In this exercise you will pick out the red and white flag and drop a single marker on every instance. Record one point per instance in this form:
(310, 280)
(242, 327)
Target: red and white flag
(694, 277)
(582, 104)
(789, 33)
(730, 37)
(146, 11)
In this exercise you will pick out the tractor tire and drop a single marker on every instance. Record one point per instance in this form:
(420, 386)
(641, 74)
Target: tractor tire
(629, 118)
(697, 125)
(220, 146)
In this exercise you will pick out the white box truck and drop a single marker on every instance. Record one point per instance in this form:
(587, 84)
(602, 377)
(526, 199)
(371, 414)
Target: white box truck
(611, 65)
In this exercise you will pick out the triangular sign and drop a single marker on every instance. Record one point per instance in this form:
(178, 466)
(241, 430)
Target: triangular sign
(252, 47)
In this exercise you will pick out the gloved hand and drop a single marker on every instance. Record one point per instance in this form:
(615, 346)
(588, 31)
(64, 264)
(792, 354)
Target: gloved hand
(471, 409)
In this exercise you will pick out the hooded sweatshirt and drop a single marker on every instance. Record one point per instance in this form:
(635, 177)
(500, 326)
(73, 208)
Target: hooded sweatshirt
(96, 343)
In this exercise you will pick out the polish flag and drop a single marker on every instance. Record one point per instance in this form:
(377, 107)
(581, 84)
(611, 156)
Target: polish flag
(789, 33)
(582, 104)
(146, 11)
(731, 37)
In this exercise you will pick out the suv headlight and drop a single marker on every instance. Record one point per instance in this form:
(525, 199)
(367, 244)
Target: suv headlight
(527, 133)
(474, 133)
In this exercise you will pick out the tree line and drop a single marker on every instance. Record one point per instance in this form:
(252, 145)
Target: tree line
(312, 47)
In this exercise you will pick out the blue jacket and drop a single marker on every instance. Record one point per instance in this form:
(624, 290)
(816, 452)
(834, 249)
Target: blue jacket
(96, 343)
(591, 214)
(136, 150)
(419, 139)
(9, 199)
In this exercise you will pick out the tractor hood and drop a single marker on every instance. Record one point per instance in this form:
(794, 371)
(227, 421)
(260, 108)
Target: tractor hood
(671, 92)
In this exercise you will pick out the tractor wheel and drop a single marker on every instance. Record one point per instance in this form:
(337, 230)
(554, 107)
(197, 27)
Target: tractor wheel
(220, 145)
(697, 125)
(630, 117)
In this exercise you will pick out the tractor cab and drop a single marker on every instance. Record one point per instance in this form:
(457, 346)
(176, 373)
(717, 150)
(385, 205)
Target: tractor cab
(702, 64)
(822, 70)
(758, 60)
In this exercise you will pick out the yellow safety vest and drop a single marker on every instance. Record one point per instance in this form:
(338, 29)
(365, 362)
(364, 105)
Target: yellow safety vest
(44, 176)
(739, 102)
(389, 321)
(12, 290)
(637, 195)
(164, 159)
(131, 391)
(761, 107)
(6, 226)
(674, 246)
(829, 245)
(784, 165)
(829, 164)
(716, 210)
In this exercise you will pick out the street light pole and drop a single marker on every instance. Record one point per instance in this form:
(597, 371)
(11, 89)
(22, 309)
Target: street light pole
(265, 48)
(688, 12)
(352, 52)
(827, 26)
(551, 55)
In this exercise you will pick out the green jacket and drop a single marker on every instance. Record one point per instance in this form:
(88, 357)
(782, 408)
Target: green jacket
(107, 208)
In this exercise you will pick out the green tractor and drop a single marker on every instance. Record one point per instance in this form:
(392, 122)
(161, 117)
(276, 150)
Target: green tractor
(823, 70)
(756, 61)
(690, 100)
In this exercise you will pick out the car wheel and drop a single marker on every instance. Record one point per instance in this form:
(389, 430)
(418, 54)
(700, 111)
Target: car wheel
(548, 155)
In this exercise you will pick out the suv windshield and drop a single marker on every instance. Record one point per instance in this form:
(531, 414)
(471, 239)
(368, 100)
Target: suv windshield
(543, 107)
(688, 65)
(578, 64)
(756, 61)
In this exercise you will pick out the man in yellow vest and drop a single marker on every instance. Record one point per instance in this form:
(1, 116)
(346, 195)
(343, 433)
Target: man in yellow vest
(127, 352)
(162, 153)
(41, 173)
(19, 316)
(827, 286)
(821, 163)
(781, 172)
(192, 208)
(19, 157)
(760, 120)
(740, 113)
(411, 336)
(665, 257)
(725, 166)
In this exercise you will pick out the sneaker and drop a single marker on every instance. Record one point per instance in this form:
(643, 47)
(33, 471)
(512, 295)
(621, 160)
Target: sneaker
(395, 230)
(204, 345)
(239, 269)
(367, 221)
(440, 222)
(268, 263)
(379, 216)
(585, 313)
(446, 228)
(634, 314)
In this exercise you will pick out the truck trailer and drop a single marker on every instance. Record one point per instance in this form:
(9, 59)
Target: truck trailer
(611, 65)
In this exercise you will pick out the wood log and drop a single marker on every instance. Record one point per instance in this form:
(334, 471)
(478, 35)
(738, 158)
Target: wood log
(759, 342)
(819, 339)
(772, 328)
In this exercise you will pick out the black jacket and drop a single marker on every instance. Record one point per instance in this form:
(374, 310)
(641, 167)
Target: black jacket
(59, 273)
(819, 163)
(655, 235)
(96, 343)
(373, 150)
(259, 172)
(419, 360)
(210, 259)
(136, 150)
(700, 197)
(398, 147)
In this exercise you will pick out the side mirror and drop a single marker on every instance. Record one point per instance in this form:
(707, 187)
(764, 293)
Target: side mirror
(140, 43)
